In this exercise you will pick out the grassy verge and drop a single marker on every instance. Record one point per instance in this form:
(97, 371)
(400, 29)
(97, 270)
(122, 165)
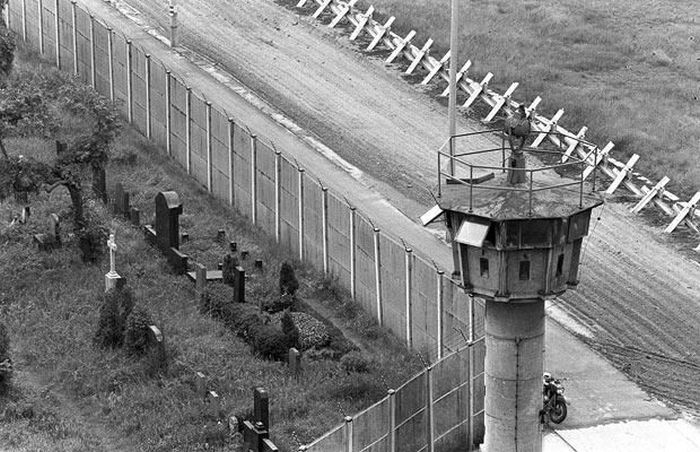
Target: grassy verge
(628, 71)
(87, 398)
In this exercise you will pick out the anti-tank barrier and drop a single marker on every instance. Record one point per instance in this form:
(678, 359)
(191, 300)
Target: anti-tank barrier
(569, 143)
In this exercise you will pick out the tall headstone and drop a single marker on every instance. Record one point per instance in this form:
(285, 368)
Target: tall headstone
(54, 231)
(168, 210)
(239, 285)
(121, 200)
(261, 410)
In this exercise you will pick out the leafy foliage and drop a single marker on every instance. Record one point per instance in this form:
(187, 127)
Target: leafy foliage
(269, 342)
(288, 280)
(279, 303)
(290, 330)
(136, 333)
(7, 47)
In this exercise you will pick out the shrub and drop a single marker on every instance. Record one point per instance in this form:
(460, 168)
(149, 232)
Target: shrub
(279, 303)
(312, 332)
(5, 361)
(268, 341)
(288, 280)
(7, 50)
(290, 330)
(354, 362)
(227, 271)
(241, 317)
(136, 333)
(116, 306)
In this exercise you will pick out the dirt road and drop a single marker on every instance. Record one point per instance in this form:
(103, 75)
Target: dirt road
(639, 296)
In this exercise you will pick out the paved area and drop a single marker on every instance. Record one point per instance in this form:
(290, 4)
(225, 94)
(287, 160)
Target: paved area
(599, 393)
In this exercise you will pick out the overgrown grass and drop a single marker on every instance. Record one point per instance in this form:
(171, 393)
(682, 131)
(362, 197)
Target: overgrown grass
(50, 302)
(627, 70)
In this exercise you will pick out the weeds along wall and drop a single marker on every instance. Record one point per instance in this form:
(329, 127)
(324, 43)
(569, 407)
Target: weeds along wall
(405, 292)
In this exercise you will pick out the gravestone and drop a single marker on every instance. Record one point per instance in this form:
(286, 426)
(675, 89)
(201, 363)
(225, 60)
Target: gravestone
(112, 277)
(229, 267)
(166, 235)
(214, 404)
(221, 235)
(257, 430)
(168, 211)
(135, 216)
(238, 285)
(156, 346)
(26, 213)
(99, 183)
(261, 407)
(52, 238)
(200, 278)
(60, 147)
(294, 362)
(121, 200)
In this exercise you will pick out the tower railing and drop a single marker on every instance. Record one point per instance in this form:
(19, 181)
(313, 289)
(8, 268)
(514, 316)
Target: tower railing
(465, 170)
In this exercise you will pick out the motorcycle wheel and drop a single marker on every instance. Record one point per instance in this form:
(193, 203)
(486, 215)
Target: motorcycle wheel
(558, 413)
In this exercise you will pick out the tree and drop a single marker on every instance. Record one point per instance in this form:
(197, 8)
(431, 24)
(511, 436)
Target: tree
(33, 103)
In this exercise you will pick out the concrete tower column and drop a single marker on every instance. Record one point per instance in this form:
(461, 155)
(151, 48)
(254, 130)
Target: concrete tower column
(513, 375)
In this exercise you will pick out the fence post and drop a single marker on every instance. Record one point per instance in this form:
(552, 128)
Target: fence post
(440, 305)
(378, 277)
(93, 69)
(41, 26)
(188, 129)
(168, 95)
(230, 161)
(253, 178)
(210, 182)
(110, 62)
(324, 221)
(301, 213)
(409, 271)
(430, 421)
(148, 96)
(74, 22)
(392, 420)
(353, 282)
(56, 35)
(24, 20)
(348, 433)
(278, 196)
(129, 106)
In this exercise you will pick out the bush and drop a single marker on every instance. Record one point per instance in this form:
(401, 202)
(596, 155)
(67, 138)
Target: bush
(136, 333)
(268, 341)
(227, 271)
(354, 362)
(290, 330)
(279, 303)
(7, 50)
(5, 361)
(116, 306)
(288, 280)
(241, 317)
(312, 332)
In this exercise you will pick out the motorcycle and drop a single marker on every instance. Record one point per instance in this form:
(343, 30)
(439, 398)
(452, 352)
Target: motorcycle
(555, 407)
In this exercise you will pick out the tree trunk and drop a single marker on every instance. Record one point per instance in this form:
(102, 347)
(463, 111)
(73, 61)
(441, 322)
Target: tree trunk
(99, 183)
(76, 197)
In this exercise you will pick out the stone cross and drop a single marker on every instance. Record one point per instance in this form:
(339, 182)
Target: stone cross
(112, 245)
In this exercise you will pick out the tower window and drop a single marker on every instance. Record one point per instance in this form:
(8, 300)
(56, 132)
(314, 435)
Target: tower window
(560, 265)
(524, 273)
(484, 267)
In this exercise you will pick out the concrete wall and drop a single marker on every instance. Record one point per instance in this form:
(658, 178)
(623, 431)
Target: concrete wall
(401, 289)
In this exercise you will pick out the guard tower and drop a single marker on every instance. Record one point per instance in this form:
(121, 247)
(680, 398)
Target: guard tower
(516, 227)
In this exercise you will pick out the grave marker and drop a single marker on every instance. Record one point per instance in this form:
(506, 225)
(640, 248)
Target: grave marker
(294, 362)
(166, 234)
(238, 285)
(112, 277)
(256, 432)
(52, 238)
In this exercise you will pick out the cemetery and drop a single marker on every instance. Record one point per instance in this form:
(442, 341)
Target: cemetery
(183, 310)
